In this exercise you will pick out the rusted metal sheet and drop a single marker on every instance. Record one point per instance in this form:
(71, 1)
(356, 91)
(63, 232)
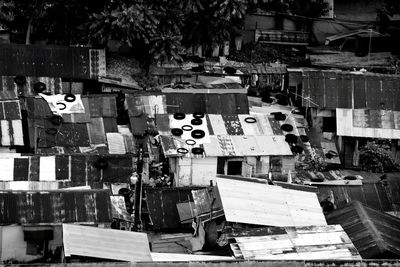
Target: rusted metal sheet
(161, 203)
(372, 232)
(53, 61)
(333, 89)
(79, 133)
(10, 90)
(296, 243)
(372, 194)
(58, 206)
(368, 123)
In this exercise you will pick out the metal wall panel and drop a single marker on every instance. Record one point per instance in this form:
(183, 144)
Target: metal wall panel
(53, 61)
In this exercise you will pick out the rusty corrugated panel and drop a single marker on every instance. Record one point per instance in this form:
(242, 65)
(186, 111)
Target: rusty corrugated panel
(53, 61)
(161, 203)
(48, 207)
(373, 233)
(332, 89)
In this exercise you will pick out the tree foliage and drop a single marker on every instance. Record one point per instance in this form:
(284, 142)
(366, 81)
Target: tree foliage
(377, 158)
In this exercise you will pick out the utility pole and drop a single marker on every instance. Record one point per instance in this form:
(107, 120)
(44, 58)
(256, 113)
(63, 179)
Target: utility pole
(138, 187)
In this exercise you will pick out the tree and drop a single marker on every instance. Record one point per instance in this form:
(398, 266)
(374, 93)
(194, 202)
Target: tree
(376, 157)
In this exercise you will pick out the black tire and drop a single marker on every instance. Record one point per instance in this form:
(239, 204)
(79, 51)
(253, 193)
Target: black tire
(304, 138)
(56, 120)
(62, 105)
(198, 134)
(250, 120)
(197, 150)
(70, 98)
(333, 153)
(182, 150)
(297, 149)
(20, 79)
(291, 138)
(176, 131)
(39, 87)
(198, 115)
(187, 127)
(179, 116)
(287, 127)
(190, 142)
(196, 122)
(280, 116)
(51, 131)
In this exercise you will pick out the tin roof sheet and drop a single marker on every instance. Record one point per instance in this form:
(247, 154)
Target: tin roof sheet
(103, 243)
(55, 207)
(53, 61)
(269, 205)
(374, 233)
(296, 243)
(10, 90)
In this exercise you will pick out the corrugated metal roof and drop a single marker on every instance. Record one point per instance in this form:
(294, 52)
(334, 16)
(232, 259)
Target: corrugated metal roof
(55, 207)
(251, 202)
(368, 123)
(103, 243)
(169, 103)
(63, 170)
(161, 203)
(81, 132)
(228, 135)
(332, 89)
(296, 243)
(52, 61)
(375, 234)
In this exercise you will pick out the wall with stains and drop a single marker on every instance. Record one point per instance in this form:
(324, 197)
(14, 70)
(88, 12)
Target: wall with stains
(13, 246)
(193, 171)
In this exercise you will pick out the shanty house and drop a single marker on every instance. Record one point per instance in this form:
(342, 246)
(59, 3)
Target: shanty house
(31, 220)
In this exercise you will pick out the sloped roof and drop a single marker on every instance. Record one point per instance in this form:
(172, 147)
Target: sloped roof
(228, 135)
(368, 123)
(375, 234)
(10, 90)
(94, 131)
(294, 243)
(59, 171)
(252, 202)
(55, 207)
(103, 243)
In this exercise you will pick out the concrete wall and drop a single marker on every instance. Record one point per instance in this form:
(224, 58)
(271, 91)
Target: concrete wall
(194, 171)
(13, 246)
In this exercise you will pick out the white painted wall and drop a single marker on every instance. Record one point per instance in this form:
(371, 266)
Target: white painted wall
(13, 246)
(194, 171)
